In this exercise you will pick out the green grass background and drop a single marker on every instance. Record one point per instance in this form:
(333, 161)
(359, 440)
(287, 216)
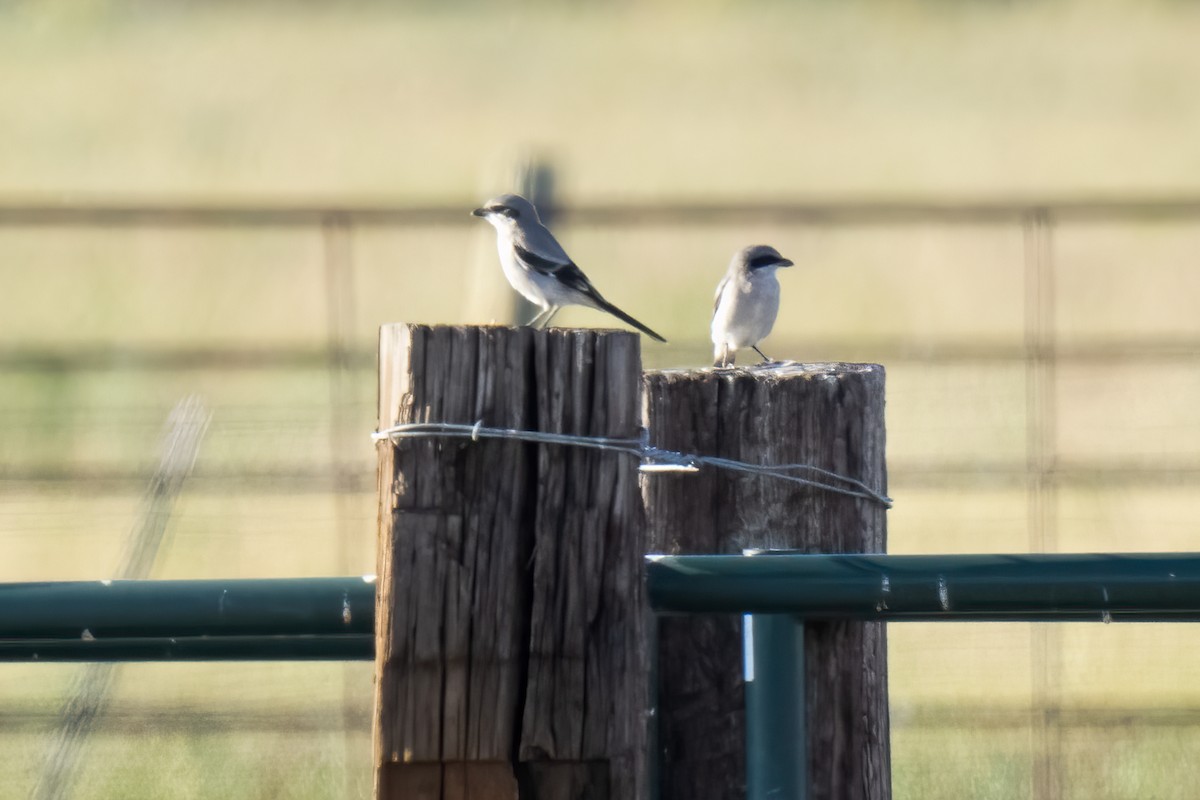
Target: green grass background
(432, 103)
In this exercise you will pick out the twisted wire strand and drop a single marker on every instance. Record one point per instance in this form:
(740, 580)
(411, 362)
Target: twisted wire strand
(655, 459)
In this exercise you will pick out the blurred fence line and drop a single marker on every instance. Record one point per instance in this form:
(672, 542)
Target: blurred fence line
(1040, 350)
(632, 213)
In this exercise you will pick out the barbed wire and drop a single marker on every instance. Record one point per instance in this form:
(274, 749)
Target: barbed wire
(654, 459)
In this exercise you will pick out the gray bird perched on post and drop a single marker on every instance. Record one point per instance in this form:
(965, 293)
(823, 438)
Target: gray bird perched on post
(537, 266)
(747, 302)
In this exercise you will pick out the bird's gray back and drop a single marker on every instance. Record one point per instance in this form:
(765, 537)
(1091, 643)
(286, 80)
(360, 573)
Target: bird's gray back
(537, 239)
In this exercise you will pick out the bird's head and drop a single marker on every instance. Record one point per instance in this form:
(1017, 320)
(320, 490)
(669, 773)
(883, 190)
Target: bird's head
(505, 211)
(759, 258)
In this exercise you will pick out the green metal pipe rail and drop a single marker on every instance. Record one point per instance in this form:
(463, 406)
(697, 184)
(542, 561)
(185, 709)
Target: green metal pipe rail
(334, 618)
(963, 588)
(292, 619)
(778, 592)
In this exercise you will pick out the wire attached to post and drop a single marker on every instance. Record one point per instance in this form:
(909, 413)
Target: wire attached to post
(654, 459)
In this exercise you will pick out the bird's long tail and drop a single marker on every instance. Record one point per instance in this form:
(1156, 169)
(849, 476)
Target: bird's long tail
(604, 305)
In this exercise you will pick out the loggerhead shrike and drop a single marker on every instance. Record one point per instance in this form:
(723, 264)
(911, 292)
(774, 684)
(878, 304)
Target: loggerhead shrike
(537, 266)
(746, 303)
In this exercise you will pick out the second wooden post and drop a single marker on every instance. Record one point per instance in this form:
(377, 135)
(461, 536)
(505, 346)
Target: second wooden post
(510, 653)
(826, 415)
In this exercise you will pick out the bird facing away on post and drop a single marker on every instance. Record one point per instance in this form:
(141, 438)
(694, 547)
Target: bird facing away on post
(537, 266)
(747, 302)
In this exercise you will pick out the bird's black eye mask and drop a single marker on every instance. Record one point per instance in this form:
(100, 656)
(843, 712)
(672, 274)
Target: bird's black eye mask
(511, 213)
(758, 262)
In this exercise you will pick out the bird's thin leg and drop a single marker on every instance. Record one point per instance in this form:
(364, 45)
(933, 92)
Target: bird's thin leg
(553, 310)
(533, 323)
(765, 358)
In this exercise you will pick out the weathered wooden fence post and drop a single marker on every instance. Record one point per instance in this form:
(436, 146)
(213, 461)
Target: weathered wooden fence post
(510, 649)
(827, 415)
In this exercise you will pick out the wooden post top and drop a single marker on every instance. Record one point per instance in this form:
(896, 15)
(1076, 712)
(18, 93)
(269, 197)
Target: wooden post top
(785, 370)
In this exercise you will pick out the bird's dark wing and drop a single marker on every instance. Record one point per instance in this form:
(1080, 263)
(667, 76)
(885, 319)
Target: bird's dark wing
(565, 271)
(572, 276)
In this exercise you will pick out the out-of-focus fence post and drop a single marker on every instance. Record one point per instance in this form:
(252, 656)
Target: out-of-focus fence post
(488, 295)
(826, 415)
(1041, 358)
(510, 643)
(534, 180)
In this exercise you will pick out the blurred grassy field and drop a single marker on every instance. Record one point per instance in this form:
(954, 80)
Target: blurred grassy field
(641, 99)
(431, 103)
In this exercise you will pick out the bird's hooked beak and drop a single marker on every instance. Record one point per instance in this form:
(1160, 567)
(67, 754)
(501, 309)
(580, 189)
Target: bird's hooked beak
(783, 262)
(479, 212)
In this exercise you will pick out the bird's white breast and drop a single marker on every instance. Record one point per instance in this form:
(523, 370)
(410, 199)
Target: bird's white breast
(746, 310)
(518, 277)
